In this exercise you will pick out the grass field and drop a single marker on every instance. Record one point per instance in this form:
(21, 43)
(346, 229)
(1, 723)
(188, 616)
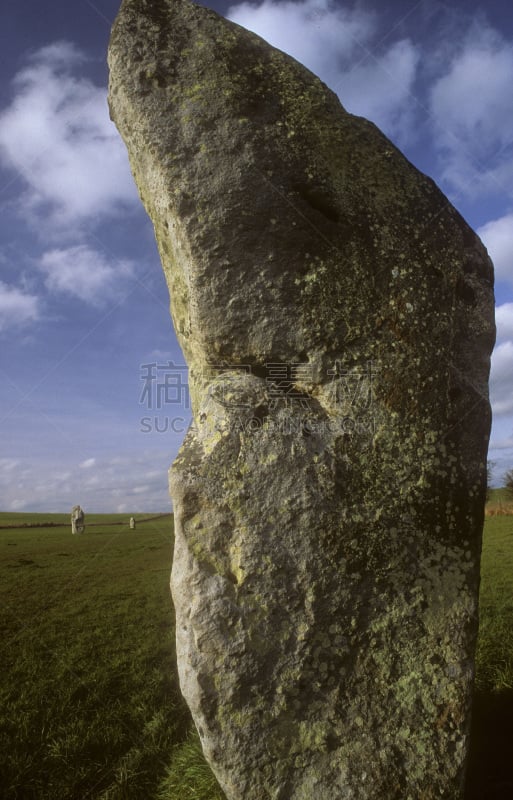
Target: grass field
(89, 702)
(89, 699)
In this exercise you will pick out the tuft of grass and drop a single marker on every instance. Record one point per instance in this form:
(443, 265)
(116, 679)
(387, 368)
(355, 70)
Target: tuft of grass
(189, 777)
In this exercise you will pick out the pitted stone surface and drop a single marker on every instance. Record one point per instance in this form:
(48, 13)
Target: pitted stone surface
(336, 313)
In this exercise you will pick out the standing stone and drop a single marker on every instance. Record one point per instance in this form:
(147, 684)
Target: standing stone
(77, 520)
(336, 313)
(132, 524)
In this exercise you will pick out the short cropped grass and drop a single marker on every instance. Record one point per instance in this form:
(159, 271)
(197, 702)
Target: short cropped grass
(495, 645)
(90, 707)
(89, 699)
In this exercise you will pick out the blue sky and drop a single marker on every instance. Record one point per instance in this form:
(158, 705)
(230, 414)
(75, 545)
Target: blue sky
(83, 303)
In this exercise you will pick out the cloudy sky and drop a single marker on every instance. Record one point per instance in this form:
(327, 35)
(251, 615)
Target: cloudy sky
(92, 399)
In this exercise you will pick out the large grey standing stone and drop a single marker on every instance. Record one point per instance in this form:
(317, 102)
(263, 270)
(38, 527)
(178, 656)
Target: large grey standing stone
(336, 313)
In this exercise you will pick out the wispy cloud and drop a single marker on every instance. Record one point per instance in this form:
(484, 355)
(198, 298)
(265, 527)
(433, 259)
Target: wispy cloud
(497, 236)
(501, 377)
(501, 380)
(119, 483)
(84, 273)
(472, 108)
(504, 322)
(57, 135)
(319, 33)
(17, 307)
(381, 89)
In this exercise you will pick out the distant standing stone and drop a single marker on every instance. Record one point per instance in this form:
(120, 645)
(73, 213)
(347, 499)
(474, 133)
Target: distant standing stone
(337, 316)
(132, 524)
(77, 520)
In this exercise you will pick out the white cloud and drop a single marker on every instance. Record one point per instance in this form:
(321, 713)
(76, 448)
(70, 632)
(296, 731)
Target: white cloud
(497, 236)
(472, 107)
(83, 272)
(88, 463)
(57, 134)
(481, 71)
(318, 33)
(504, 321)
(17, 308)
(501, 379)
(7, 465)
(38, 485)
(141, 489)
(381, 88)
(501, 376)
(339, 45)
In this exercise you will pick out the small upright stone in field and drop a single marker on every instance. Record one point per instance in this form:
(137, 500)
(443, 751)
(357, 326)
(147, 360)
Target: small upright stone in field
(337, 316)
(132, 524)
(77, 520)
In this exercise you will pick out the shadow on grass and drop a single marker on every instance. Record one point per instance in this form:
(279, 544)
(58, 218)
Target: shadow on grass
(490, 768)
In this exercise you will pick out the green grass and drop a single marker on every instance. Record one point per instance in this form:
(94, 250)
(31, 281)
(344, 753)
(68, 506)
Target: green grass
(189, 777)
(89, 699)
(494, 664)
(501, 495)
(90, 707)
